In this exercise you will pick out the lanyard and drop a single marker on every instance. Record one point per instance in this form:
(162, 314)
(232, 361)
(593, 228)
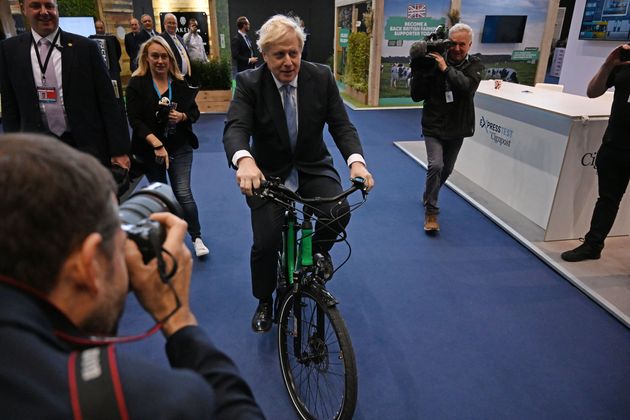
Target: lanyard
(44, 66)
(159, 94)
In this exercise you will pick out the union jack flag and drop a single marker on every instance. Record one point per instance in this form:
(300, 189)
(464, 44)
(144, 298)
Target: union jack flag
(416, 11)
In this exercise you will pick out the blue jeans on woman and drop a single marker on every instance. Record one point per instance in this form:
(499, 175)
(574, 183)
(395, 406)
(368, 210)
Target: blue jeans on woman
(180, 165)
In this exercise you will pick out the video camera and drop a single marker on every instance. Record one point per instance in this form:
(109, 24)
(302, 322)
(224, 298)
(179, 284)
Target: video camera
(134, 214)
(437, 42)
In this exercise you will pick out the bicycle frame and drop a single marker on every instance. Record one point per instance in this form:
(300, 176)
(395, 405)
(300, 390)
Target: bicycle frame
(296, 254)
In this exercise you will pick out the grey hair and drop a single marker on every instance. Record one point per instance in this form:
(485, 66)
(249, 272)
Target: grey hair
(461, 27)
(276, 28)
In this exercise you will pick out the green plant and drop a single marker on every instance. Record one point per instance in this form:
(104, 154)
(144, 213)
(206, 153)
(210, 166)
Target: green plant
(77, 8)
(212, 75)
(358, 65)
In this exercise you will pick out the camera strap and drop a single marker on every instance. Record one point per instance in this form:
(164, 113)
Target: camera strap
(95, 389)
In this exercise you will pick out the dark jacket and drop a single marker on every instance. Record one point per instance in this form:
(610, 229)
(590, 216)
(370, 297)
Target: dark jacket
(241, 53)
(439, 118)
(257, 111)
(142, 106)
(203, 382)
(95, 117)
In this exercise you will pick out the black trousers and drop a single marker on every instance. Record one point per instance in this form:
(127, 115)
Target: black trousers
(267, 219)
(613, 174)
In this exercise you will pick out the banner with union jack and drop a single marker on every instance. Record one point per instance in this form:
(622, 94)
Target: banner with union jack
(416, 11)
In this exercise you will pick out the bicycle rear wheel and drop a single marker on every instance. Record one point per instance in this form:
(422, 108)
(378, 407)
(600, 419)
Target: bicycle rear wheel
(316, 357)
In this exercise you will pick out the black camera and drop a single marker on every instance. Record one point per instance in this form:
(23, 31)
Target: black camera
(161, 116)
(134, 214)
(436, 42)
(624, 55)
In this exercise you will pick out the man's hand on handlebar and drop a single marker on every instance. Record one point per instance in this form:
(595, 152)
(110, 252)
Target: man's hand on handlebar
(358, 169)
(248, 176)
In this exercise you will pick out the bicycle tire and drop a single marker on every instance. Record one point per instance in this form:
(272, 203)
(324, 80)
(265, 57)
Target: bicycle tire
(304, 378)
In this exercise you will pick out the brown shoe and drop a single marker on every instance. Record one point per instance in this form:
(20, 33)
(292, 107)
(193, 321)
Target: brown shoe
(431, 223)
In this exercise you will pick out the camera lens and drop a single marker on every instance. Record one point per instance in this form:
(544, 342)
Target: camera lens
(155, 198)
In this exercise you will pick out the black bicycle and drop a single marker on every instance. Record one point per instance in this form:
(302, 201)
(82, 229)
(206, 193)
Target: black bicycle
(316, 355)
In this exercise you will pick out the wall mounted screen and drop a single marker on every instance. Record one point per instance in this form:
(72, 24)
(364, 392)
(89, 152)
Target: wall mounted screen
(78, 25)
(503, 29)
(606, 20)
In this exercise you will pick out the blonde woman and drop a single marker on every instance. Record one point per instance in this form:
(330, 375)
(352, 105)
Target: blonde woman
(161, 111)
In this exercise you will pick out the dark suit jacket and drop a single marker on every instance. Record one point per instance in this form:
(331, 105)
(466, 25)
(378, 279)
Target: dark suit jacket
(203, 382)
(142, 105)
(241, 53)
(171, 44)
(132, 46)
(257, 111)
(96, 119)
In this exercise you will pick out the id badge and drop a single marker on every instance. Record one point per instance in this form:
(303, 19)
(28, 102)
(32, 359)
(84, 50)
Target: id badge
(47, 94)
(449, 96)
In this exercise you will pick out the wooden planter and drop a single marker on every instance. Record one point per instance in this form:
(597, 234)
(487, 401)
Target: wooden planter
(216, 101)
(356, 95)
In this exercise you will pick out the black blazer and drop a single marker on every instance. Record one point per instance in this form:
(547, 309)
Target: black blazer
(241, 53)
(257, 111)
(171, 43)
(95, 117)
(142, 105)
(132, 46)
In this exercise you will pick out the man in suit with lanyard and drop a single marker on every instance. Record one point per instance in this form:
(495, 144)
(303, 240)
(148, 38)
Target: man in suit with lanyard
(35, 73)
(176, 43)
(243, 49)
(283, 106)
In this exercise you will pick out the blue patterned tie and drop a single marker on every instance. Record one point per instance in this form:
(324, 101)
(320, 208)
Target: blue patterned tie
(290, 113)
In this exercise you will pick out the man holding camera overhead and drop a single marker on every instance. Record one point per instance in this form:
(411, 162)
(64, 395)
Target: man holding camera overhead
(446, 78)
(65, 275)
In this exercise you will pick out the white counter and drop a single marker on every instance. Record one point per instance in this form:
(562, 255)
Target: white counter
(535, 149)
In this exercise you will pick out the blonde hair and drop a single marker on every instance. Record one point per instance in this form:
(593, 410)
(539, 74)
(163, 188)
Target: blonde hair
(143, 64)
(276, 28)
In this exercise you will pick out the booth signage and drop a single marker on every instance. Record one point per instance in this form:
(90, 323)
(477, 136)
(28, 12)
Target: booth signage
(344, 33)
(399, 27)
(526, 55)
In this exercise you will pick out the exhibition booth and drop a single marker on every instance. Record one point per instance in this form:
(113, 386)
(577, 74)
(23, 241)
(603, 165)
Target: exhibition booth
(535, 149)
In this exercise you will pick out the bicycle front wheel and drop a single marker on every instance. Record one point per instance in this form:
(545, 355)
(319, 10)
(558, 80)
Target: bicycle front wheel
(316, 358)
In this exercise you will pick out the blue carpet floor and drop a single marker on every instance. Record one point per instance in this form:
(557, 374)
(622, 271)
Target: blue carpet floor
(464, 325)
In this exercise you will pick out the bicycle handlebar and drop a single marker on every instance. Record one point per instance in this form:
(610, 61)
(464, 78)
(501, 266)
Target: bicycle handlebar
(273, 185)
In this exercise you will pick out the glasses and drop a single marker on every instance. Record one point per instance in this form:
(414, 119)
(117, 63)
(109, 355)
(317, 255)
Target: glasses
(156, 56)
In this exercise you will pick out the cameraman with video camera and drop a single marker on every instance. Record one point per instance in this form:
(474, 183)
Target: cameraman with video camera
(446, 78)
(66, 268)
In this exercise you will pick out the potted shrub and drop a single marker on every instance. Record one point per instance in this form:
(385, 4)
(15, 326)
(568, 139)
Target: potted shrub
(358, 66)
(214, 82)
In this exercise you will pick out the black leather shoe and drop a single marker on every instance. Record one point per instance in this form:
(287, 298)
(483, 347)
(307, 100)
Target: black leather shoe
(261, 322)
(586, 251)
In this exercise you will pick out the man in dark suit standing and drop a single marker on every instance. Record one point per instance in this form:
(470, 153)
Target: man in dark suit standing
(176, 43)
(132, 45)
(283, 105)
(56, 82)
(147, 29)
(244, 51)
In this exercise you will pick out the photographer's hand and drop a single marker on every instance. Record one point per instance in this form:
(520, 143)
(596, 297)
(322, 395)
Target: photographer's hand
(439, 60)
(160, 152)
(154, 295)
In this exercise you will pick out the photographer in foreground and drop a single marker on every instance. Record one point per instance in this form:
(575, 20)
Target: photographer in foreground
(613, 156)
(446, 79)
(66, 268)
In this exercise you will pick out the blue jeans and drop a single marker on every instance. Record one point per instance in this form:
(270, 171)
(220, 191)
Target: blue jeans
(441, 157)
(180, 164)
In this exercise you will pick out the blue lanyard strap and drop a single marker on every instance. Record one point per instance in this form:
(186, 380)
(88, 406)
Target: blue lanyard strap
(159, 94)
